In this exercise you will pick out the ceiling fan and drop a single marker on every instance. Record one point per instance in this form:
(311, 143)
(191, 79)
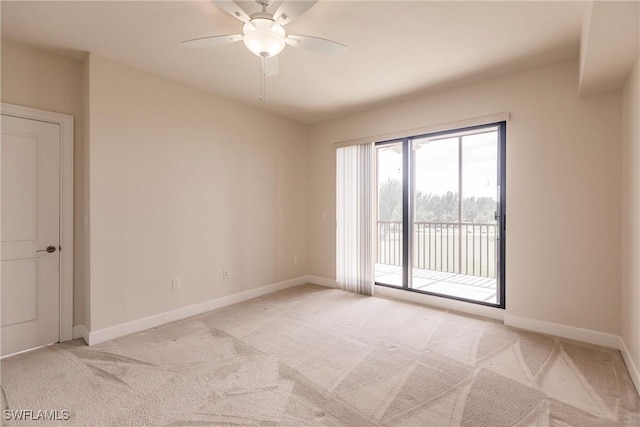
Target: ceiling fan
(264, 35)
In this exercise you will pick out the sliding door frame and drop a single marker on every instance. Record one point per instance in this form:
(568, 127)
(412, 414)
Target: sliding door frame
(408, 164)
(407, 212)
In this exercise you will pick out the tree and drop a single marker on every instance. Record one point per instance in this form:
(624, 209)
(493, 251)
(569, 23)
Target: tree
(433, 207)
(390, 200)
(481, 209)
(436, 208)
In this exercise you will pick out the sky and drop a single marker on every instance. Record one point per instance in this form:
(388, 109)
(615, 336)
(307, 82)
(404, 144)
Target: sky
(437, 165)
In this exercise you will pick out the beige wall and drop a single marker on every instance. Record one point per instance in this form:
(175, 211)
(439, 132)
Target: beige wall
(37, 79)
(186, 184)
(631, 214)
(563, 188)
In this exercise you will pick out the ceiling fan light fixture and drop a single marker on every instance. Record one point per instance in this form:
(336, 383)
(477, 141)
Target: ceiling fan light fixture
(264, 37)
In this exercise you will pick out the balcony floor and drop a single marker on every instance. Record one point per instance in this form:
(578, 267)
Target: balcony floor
(458, 285)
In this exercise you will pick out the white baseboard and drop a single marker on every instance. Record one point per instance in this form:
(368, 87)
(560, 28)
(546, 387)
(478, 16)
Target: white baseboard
(564, 331)
(578, 334)
(634, 372)
(316, 280)
(80, 331)
(107, 334)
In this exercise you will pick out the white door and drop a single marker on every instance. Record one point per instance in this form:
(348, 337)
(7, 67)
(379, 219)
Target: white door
(30, 211)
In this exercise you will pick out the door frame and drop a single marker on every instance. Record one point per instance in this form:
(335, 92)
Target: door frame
(407, 208)
(66, 206)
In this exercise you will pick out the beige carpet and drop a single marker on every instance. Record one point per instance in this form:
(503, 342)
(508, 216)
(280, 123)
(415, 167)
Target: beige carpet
(317, 356)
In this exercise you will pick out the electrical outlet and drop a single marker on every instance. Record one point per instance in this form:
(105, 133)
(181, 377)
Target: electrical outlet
(175, 283)
(295, 259)
(225, 274)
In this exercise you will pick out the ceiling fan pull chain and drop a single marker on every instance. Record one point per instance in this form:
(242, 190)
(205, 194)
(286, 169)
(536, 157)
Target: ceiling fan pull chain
(263, 82)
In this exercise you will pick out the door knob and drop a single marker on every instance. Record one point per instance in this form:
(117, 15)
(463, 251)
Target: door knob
(50, 249)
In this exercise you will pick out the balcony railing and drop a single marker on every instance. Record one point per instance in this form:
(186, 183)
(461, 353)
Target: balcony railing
(463, 248)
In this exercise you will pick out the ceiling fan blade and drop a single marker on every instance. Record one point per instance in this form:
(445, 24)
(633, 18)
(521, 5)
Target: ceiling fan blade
(212, 41)
(271, 66)
(233, 9)
(316, 44)
(290, 10)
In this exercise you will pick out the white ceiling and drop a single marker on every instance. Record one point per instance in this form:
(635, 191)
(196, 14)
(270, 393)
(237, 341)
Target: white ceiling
(396, 49)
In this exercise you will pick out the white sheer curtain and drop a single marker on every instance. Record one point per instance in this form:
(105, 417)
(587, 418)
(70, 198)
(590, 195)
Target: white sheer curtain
(355, 214)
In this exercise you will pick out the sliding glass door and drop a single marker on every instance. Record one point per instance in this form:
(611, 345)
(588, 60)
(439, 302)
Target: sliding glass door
(390, 251)
(441, 214)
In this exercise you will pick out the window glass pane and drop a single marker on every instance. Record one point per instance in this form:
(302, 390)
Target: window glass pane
(389, 224)
(436, 180)
(390, 182)
(479, 182)
(479, 206)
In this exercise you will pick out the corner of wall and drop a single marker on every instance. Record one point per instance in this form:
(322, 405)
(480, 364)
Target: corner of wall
(630, 223)
(86, 279)
(584, 40)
